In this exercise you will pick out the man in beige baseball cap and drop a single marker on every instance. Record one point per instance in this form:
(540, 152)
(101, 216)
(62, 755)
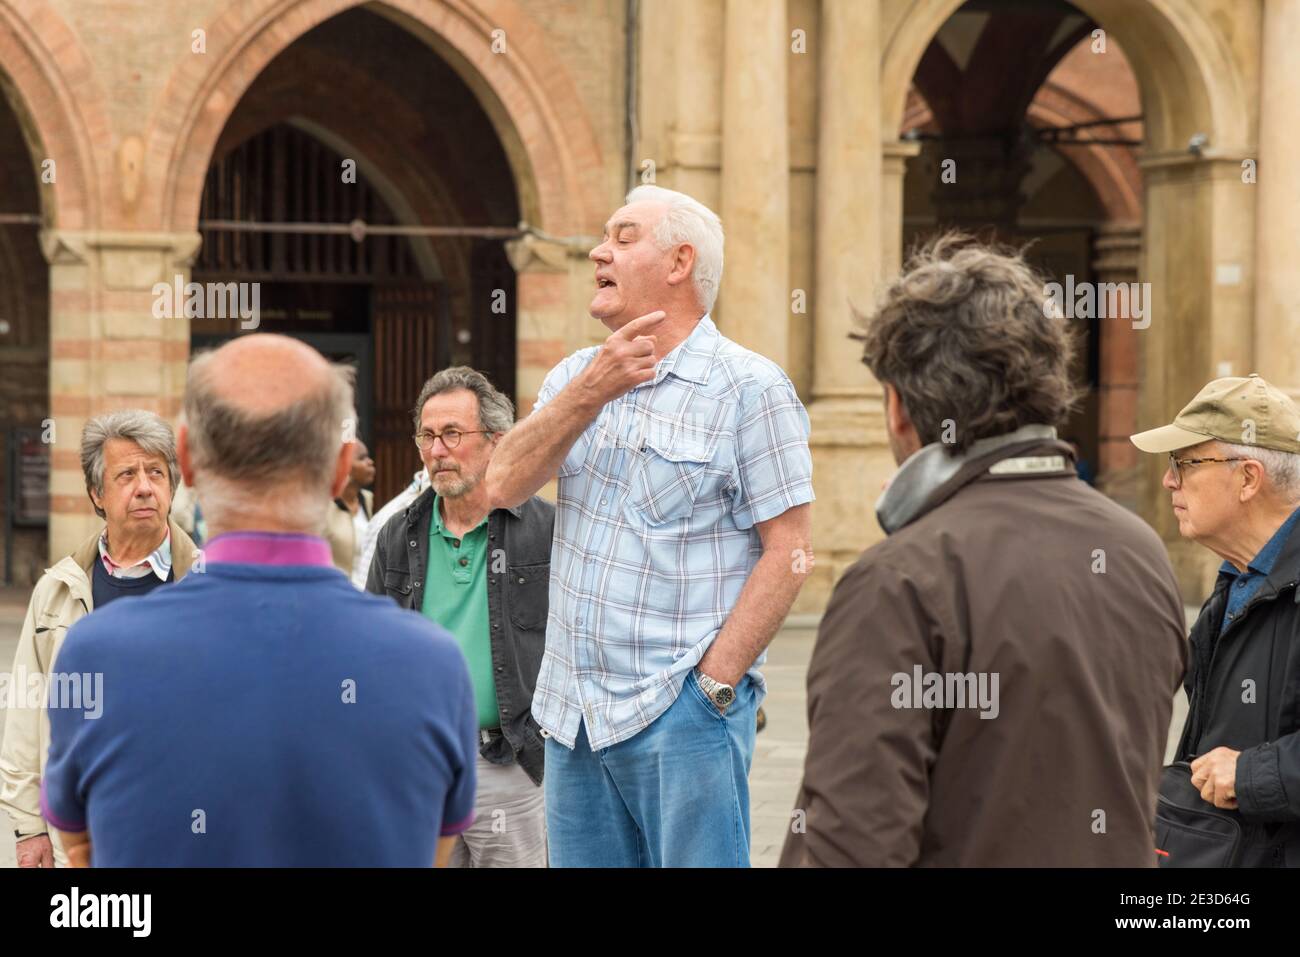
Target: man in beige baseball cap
(1234, 482)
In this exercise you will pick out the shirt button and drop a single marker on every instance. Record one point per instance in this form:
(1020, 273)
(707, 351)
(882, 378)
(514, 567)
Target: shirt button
(456, 542)
(604, 501)
(413, 545)
(417, 584)
(464, 561)
(577, 621)
(521, 581)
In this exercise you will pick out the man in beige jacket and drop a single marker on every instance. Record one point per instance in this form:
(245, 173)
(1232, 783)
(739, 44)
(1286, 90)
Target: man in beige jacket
(129, 460)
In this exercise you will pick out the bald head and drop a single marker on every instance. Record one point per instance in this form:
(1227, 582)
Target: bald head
(266, 419)
(264, 373)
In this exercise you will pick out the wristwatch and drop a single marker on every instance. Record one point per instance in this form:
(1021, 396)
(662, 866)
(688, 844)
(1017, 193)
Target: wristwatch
(721, 695)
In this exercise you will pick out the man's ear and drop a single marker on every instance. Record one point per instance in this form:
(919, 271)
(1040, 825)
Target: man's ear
(896, 417)
(683, 263)
(183, 454)
(342, 469)
(1252, 480)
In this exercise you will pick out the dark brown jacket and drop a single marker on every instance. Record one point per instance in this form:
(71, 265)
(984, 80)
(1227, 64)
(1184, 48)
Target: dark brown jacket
(1000, 574)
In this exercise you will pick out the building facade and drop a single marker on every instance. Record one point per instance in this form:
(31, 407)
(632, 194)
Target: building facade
(409, 183)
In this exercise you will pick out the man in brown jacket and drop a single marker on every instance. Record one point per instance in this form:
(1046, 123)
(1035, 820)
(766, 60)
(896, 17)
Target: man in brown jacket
(992, 684)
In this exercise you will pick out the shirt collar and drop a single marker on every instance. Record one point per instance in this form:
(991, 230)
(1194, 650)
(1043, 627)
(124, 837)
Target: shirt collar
(441, 529)
(159, 560)
(1263, 562)
(692, 358)
(268, 548)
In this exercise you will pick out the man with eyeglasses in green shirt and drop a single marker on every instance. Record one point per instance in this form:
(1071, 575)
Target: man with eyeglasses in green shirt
(483, 575)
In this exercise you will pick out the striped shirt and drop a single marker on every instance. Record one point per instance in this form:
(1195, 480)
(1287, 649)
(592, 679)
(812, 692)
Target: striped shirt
(654, 529)
(159, 561)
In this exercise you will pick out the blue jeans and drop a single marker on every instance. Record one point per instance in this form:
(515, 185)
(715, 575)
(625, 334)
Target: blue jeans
(675, 795)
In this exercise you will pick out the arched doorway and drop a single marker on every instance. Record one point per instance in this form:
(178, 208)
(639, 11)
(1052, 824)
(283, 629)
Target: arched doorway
(48, 186)
(523, 89)
(24, 332)
(1195, 131)
(1039, 149)
(358, 121)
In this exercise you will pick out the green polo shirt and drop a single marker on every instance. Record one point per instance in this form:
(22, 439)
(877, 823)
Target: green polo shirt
(455, 596)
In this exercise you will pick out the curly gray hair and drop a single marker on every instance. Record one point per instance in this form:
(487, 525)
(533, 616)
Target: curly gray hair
(145, 429)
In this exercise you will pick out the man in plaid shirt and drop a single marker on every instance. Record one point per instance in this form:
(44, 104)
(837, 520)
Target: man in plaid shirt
(682, 536)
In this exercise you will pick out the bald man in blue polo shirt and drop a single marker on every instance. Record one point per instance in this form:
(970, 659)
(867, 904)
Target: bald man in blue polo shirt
(265, 713)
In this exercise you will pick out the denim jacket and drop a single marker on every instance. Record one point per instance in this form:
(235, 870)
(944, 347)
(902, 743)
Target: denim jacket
(519, 573)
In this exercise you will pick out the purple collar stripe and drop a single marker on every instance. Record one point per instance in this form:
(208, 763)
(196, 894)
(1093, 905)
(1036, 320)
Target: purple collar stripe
(268, 548)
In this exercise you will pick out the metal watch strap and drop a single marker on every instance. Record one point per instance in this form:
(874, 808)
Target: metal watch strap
(709, 686)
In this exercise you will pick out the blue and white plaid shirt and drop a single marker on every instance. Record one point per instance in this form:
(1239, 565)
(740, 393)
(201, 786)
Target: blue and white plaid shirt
(654, 529)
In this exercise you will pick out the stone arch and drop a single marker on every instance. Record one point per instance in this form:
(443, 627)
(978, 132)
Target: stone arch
(525, 91)
(1191, 81)
(1188, 79)
(58, 122)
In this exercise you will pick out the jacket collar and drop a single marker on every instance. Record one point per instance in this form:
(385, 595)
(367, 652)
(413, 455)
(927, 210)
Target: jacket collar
(1286, 567)
(931, 476)
(74, 570)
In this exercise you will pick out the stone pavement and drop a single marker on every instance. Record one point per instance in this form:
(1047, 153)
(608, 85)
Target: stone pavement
(778, 754)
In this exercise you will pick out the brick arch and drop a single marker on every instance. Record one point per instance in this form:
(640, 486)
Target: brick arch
(526, 92)
(52, 89)
(1188, 79)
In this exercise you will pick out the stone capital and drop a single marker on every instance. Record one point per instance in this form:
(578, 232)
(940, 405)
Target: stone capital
(534, 255)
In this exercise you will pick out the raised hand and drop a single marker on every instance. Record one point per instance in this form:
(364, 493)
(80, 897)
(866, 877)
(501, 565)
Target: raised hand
(625, 360)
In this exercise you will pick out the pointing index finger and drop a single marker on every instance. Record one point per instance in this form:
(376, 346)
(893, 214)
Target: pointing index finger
(642, 323)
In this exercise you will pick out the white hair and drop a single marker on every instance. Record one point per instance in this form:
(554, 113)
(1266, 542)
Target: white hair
(1282, 468)
(687, 220)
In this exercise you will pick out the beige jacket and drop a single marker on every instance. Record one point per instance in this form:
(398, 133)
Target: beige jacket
(342, 534)
(59, 600)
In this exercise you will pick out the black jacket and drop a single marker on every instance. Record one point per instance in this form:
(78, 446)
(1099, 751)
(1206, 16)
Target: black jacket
(1244, 689)
(519, 574)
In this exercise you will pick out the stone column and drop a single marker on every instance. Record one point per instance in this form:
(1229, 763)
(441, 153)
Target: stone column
(1196, 255)
(107, 349)
(755, 299)
(851, 456)
(848, 193)
(1117, 250)
(542, 285)
(1277, 295)
(695, 152)
(892, 171)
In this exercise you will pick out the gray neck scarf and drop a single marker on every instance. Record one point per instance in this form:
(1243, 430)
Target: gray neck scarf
(930, 466)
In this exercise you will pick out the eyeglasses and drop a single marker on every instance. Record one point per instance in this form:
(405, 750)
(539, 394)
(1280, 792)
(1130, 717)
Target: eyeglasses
(450, 437)
(1176, 464)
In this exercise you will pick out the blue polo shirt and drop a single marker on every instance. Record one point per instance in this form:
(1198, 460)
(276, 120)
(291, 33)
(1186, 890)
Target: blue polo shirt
(263, 712)
(1246, 584)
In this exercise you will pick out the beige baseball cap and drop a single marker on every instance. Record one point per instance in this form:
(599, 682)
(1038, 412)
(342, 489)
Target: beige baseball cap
(1240, 411)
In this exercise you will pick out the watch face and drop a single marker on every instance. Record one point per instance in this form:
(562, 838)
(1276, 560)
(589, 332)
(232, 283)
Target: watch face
(724, 696)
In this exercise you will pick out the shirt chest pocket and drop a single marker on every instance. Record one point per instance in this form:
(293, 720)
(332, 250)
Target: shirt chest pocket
(668, 476)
